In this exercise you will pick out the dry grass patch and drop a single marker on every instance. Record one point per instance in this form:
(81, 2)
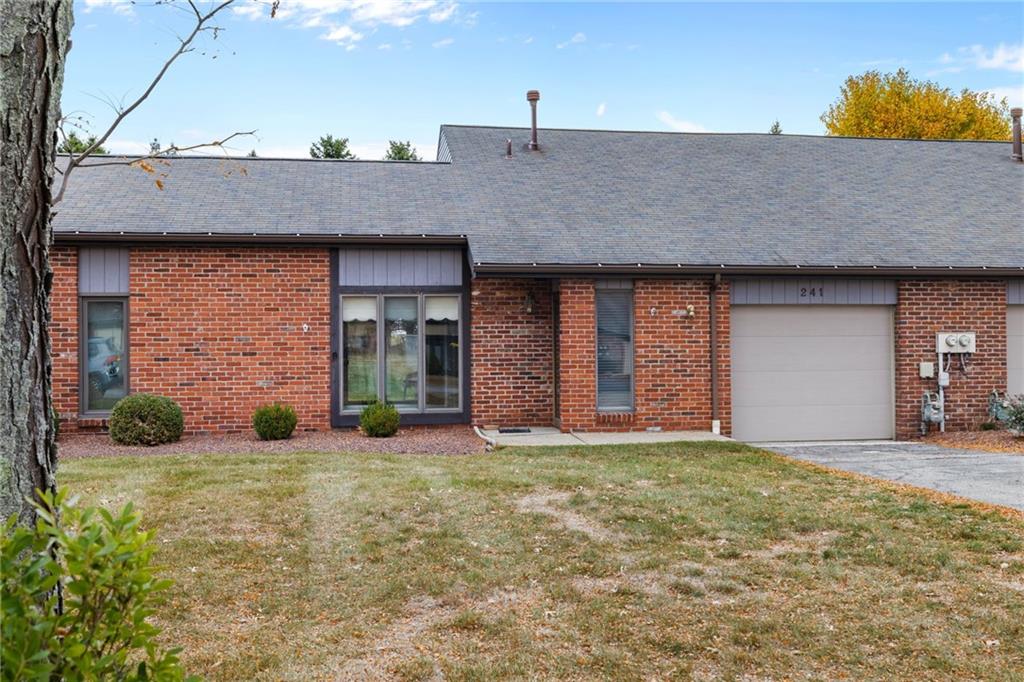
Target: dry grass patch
(641, 562)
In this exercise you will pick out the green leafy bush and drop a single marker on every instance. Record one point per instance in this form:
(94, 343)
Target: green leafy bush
(109, 592)
(1015, 422)
(145, 419)
(274, 422)
(379, 420)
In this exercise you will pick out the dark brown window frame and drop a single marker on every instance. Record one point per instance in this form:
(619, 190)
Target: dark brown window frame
(83, 354)
(615, 409)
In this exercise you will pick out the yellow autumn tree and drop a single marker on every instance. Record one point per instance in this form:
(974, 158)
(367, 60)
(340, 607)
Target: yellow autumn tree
(896, 105)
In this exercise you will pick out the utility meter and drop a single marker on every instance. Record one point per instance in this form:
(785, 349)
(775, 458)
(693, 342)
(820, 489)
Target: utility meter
(955, 342)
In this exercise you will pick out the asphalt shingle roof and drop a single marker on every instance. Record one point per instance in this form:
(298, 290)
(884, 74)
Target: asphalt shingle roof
(606, 197)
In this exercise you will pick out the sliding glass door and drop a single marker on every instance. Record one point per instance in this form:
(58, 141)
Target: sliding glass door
(411, 359)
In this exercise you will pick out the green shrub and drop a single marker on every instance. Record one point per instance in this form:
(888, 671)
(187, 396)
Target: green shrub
(109, 592)
(274, 422)
(379, 420)
(145, 419)
(1015, 422)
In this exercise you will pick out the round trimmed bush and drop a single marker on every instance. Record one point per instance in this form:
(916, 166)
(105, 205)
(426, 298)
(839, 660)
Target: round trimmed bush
(274, 422)
(379, 420)
(146, 419)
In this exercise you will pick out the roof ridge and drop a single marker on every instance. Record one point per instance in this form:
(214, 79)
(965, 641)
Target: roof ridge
(202, 157)
(713, 133)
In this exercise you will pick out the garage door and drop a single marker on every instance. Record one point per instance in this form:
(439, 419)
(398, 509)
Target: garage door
(1015, 349)
(812, 372)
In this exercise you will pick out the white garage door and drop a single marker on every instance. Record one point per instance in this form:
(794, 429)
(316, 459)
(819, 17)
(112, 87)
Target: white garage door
(1015, 349)
(812, 372)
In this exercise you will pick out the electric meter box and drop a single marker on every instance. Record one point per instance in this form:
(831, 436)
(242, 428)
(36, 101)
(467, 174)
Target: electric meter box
(955, 342)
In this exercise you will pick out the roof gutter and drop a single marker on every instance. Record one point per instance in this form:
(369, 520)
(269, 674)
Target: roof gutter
(602, 270)
(255, 239)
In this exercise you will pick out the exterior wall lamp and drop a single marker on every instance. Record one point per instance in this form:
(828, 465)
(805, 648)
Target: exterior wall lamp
(529, 302)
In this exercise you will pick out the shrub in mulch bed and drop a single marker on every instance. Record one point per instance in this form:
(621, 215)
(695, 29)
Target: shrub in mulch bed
(146, 419)
(379, 420)
(274, 422)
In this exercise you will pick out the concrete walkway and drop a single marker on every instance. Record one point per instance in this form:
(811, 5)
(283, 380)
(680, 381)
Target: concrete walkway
(552, 436)
(993, 477)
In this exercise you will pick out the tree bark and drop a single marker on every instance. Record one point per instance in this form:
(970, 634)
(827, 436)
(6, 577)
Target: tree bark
(34, 40)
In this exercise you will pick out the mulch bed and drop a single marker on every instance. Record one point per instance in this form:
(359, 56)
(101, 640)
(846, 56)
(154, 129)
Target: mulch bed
(414, 440)
(989, 441)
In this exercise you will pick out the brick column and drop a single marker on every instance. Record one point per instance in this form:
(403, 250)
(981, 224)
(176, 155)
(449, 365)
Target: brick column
(925, 307)
(64, 333)
(512, 357)
(577, 346)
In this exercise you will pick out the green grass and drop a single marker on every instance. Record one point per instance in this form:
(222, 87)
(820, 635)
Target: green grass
(690, 560)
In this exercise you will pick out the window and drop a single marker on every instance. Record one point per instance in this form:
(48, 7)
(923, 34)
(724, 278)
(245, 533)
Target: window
(418, 365)
(104, 354)
(401, 350)
(614, 349)
(441, 329)
(359, 350)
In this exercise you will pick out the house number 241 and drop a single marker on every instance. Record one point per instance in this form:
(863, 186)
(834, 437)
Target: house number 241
(812, 292)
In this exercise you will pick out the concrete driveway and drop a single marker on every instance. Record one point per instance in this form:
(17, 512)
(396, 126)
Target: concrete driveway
(993, 477)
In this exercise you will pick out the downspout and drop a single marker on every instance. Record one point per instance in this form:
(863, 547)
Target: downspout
(716, 424)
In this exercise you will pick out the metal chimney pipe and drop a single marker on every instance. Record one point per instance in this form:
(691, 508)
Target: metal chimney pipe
(533, 96)
(1015, 114)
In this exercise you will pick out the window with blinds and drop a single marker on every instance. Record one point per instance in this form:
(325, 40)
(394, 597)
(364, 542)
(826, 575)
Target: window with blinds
(614, 349)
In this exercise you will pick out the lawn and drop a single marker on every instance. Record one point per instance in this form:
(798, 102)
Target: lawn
(644, 562)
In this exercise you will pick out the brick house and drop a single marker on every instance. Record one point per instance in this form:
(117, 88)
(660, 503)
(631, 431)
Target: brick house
(772, 287)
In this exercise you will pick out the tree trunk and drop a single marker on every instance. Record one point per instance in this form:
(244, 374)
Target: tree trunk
(34, 40)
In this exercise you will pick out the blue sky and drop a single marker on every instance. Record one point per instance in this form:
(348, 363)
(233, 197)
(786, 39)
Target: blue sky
(373, 70)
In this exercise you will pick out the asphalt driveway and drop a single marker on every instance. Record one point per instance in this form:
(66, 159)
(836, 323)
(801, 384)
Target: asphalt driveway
(994, 477)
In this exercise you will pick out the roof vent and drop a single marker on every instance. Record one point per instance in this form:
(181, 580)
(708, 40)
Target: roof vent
(1015, 115)
(533, 96)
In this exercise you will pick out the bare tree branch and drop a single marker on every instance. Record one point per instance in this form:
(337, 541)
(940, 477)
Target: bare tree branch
(169, 152)
(186, 46)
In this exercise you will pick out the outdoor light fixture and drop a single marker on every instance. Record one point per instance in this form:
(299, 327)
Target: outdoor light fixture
(528, 304)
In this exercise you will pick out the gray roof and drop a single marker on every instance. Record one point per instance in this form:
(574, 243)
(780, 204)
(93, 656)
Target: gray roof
(616, 198)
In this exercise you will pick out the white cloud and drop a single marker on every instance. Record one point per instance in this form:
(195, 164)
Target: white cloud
(342, 34)
(443, 13)
(1000, 58)
(444, 42)
(384, 46)
(601, 108)
(1014, 94)
(123, 7)
(347, 21)
(528, 40)
(680, 125)
(577, 39)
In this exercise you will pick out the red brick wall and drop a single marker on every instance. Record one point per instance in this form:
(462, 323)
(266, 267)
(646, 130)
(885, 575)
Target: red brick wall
(577, 361)
(512, 368)
(673, 354)
(220, 330)
(64, 333)
(925, 307)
